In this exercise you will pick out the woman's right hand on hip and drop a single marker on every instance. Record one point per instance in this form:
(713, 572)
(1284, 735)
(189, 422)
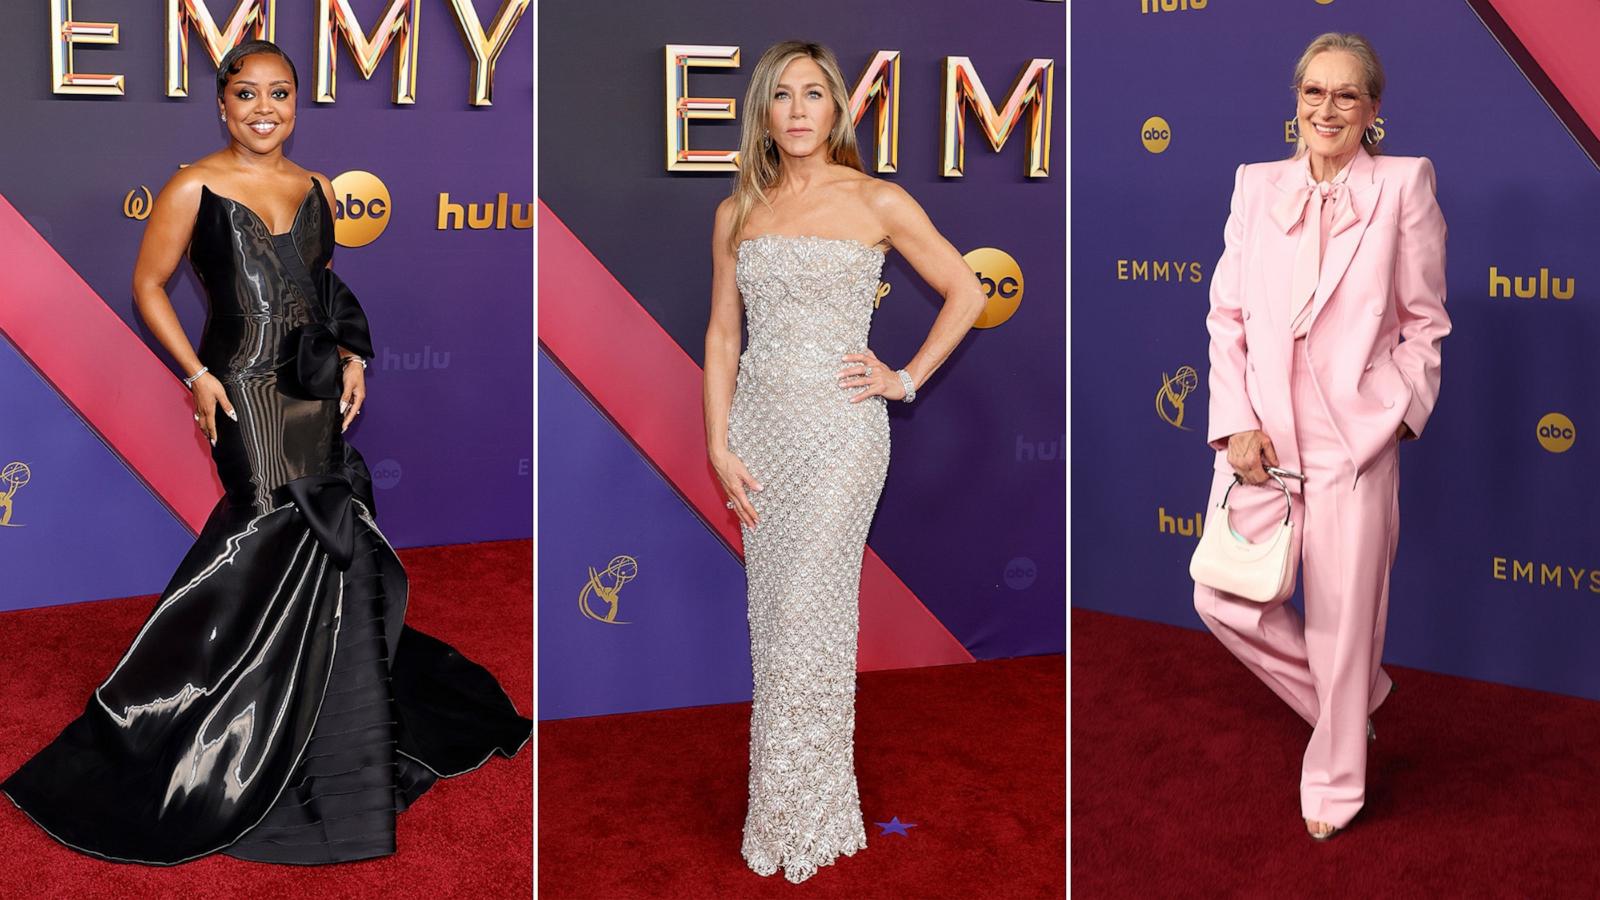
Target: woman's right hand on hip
(736, 480)
(1250, 452)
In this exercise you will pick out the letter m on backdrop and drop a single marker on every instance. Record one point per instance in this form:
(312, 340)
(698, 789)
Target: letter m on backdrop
(254, 16)
(398, 25)
(1032, 94)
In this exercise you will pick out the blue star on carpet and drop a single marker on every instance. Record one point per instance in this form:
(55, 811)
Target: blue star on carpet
(895, 826)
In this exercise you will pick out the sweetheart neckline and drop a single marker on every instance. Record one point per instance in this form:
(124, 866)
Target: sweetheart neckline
(871, 248)
(315, 187)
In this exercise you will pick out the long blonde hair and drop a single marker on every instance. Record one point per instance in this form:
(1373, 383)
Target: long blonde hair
(760, 164)
(1371, 70)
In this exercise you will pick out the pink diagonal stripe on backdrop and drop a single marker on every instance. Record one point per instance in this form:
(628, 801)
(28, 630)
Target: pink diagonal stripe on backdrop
(103, 371)
(649, 388)
(1557, 45)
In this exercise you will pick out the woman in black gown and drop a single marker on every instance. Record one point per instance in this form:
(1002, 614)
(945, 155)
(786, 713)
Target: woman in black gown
(274, 706)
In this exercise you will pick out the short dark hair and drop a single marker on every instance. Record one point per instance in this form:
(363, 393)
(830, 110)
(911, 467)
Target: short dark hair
(231, 63)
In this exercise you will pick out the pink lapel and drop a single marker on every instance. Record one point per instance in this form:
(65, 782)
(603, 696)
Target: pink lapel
(1364, 191)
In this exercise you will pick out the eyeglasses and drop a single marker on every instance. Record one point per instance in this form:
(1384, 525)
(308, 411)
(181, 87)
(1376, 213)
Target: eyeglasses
(1344, 98)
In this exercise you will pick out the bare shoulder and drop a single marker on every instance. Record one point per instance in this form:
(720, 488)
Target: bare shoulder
(722, 222)
(891, 204)
(182, 190)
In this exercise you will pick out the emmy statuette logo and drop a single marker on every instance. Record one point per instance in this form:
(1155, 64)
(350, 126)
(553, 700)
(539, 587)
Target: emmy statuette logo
(1001, 280)
(1556, 433)
(13, 476)
(1175, 389)
(606, 586)
(137, 203)
(1156, 134)
(361, 208)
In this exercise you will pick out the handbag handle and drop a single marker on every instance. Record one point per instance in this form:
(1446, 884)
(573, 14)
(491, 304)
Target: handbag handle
(1277, 475)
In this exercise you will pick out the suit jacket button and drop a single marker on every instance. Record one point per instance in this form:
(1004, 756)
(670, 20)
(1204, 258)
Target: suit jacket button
(1377, 309)
(1388, 404)
(1247, 315)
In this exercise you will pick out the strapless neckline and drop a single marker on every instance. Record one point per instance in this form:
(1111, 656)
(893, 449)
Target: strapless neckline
(870, 248)
(257, 216)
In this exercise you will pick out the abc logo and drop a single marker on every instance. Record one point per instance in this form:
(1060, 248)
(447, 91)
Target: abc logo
(386, 474)
(1001, 279)
(1156, 134)
(361, 208)
(1556, 433)
(1020, 573)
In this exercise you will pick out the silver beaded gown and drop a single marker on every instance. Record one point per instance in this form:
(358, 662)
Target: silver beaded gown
(821, 461)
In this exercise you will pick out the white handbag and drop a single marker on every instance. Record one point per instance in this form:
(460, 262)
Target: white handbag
(1224, 561)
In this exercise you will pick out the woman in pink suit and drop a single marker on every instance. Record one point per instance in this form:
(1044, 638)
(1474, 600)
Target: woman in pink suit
(1327, 313)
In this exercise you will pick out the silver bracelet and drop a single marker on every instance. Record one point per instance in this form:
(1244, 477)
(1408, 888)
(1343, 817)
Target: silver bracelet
(908, 384)
(188, 383)
(352, 357)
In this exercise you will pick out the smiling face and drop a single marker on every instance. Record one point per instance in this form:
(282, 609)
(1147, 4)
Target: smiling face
(258, 103)
(1334, 77)
(801, 113)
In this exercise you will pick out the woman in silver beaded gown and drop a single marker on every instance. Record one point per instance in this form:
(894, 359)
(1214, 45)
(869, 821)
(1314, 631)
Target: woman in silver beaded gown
(797, 430)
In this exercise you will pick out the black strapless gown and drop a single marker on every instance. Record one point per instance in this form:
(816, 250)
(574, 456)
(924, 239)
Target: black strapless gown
(274, 706)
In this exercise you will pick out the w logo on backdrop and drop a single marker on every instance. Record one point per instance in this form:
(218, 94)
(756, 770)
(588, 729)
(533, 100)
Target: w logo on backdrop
(12, 477)
(606, 586)
(1175, 389)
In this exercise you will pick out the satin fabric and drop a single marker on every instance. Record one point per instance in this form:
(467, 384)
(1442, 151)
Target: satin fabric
(274, 704)
(1326, 666)
(1377, 319)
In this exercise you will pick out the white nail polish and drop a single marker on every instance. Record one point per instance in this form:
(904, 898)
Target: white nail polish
(342, 407)
(233, 415)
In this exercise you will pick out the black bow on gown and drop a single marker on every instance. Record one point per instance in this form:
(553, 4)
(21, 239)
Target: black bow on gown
(274, 706)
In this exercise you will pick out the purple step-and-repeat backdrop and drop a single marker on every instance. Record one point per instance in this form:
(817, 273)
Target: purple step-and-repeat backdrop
(1498, 574)
(972, 518)
(446, 282)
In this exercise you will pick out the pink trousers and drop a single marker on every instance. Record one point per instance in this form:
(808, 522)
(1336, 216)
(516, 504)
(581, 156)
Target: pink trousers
(1327, 666)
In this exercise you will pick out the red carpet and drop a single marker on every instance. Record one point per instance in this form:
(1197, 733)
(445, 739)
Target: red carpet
(467, 837)
(1186, 772)
(651, 804)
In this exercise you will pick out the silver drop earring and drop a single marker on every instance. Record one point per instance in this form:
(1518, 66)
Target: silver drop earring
(766, 140)
(1370, 135)
(1294, 127)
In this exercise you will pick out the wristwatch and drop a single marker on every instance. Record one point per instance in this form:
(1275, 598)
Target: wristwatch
(908, 384)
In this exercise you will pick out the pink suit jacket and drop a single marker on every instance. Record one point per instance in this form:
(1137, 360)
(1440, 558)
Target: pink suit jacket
(1377, 315)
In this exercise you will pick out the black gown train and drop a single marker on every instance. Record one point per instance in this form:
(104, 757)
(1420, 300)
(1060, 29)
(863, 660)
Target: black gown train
(274, 706)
